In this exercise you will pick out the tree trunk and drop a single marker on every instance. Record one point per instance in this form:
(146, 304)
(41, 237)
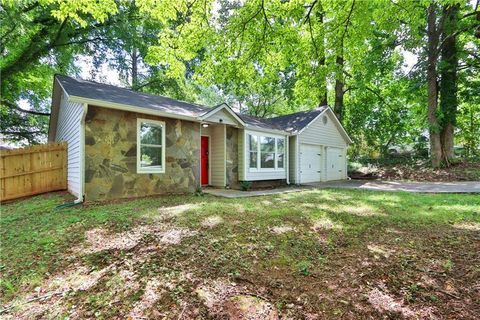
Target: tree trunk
(339, 85)
(323, 98)
(134, 69)
(448, 81)
(434, 126)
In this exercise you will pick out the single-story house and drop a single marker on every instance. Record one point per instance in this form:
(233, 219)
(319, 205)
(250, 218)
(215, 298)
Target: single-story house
(123, 143)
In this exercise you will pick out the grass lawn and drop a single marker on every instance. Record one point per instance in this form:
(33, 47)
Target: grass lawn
(315, 254)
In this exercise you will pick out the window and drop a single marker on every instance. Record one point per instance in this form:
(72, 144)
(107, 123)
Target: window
(280, 153)
(253, 151)
(266, 152)
(150, 146)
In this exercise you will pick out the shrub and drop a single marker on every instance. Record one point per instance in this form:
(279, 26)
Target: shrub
(245, 185)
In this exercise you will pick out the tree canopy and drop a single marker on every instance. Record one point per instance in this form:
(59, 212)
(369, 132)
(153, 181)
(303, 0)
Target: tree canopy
(265, 58)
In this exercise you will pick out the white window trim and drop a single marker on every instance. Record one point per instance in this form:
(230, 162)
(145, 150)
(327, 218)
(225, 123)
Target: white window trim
(161, 169)
(258, 168)
(277, 153)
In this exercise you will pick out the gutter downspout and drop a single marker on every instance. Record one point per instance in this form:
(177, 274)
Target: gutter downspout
(81, 197)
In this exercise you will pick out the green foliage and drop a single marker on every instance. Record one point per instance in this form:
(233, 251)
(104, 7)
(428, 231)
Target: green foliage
(39, 39)
(276, 57)
(262, 57)
(303, 268)
(199, 192)
(245, 185)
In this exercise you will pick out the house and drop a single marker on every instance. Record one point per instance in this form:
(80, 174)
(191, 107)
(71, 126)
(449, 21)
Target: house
(123, 143)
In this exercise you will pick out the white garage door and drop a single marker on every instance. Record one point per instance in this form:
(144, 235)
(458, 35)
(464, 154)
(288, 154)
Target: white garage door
(335, 165)
(310, 163)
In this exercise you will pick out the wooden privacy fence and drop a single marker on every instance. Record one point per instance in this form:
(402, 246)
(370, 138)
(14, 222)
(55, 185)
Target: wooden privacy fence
(33, 170)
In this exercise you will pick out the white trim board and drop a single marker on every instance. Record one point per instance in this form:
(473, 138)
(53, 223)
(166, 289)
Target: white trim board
(147, 170)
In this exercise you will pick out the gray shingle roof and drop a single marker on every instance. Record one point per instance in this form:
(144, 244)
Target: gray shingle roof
(258, 122)
(109, 93)
(105, 92)
(296, 121)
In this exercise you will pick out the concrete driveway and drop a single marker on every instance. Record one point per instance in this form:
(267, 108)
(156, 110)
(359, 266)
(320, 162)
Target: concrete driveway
(421, 187)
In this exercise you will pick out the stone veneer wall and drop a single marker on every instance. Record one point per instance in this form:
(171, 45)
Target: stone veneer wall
(232, 157)
(111, 156)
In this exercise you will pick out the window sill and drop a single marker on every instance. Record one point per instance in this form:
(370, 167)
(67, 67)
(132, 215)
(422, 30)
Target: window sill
(266, 170)
(150, 171)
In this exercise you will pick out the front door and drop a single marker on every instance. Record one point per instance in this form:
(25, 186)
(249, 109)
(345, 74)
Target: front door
(204, 160)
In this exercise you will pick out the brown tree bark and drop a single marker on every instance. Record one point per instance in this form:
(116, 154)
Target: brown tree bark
(339, 85)
(448, 81)
(134, 69)
(319, 48)
(340, 63)
(324, 98)
(432, 90)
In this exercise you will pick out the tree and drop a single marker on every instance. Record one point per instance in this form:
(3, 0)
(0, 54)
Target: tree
(448, 82)
(433, 33)
(38, 39)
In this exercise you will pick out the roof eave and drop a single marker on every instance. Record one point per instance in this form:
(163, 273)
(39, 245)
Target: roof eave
(256, 128)
(131, 108)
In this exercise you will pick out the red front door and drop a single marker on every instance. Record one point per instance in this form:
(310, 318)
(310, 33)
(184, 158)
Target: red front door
(204, 160)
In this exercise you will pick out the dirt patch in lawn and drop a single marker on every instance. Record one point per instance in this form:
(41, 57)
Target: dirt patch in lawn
(168, 213)
(212, 221)
(250, 266)
(99, 239)
(282, 229)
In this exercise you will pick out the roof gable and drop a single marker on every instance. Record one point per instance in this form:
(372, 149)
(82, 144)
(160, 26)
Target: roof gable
(335, 122)
(223, 114)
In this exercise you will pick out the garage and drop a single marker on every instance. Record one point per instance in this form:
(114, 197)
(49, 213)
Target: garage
(335, 163)
(310, 163)
(317, 147)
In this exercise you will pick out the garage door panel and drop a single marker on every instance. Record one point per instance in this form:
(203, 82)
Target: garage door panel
(310, 163)
(335, 163)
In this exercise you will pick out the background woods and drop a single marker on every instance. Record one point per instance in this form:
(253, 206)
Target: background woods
(395, 72)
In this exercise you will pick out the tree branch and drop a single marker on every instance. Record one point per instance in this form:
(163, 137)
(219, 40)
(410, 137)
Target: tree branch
(14, 106)
(347, 21)
(307, 17)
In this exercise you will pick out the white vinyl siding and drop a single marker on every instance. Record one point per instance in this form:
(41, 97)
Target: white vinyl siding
(69, 129)
(323, 134)
(262, 174)
(218, 156)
